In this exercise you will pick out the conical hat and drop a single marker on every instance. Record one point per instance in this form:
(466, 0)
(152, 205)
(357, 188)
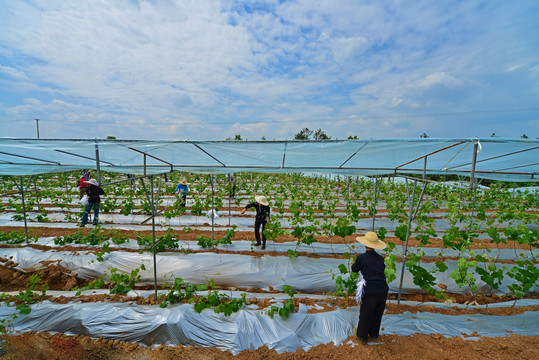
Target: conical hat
(262, 200)
(371, 240)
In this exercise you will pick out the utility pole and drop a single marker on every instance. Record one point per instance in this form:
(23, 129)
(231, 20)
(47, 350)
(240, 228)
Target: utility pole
(37, 124)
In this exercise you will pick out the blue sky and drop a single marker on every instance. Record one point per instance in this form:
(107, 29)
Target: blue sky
(208, 70)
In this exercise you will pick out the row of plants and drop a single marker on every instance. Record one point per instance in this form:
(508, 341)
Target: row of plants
(469, 269)
(494, 213)
(180, 291)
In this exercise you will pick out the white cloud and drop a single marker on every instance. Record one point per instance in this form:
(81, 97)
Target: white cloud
(348, 48)
(13, 73)
(439, 78)
(176, 66)
(515, 67)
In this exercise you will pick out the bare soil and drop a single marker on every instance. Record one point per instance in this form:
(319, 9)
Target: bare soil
(62, 347)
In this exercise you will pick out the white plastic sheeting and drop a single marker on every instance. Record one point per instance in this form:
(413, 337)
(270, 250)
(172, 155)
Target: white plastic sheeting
(119, 220)
(304, 274)
(498, 158)
(320, 248)
(248, 328)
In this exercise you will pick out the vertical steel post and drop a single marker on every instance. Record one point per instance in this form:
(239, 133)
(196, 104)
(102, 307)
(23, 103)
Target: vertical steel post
(410, 217)
(474, 161)
(35, 189)
(37, 127)
(375, 200)
(229, 196)
(212, 213)
(153, 235)
(348, 192)
(98, 168)
(24, 212)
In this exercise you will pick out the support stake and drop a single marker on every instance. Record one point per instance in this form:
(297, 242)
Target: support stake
(411, 217)
(153, 235)
(212, 213)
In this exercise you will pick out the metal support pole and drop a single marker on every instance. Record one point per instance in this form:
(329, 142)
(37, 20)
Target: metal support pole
(212, 213)
(474, 161)
(348, 192)
(144, 159)
(375, 200)
(473, 207)
(37, 125)
(410, 217)
(97, 164)
(229, 196)
(24, 212)
(35, 189)
(153, 235)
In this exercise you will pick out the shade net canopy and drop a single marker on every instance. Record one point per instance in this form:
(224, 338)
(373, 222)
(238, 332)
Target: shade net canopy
(495, 158)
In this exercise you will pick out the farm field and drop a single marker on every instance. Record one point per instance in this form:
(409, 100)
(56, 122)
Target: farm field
(469, 283)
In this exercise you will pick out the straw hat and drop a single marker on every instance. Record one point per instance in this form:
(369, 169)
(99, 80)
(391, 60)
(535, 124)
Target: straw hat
(261, 200)
(183, 182)
(92, 181)
(371, 240)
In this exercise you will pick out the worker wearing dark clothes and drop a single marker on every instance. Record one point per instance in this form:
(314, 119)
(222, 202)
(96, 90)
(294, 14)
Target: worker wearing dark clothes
(372, 285)
(232, 183)
(93, 191)
(262, 217)
(83, 183)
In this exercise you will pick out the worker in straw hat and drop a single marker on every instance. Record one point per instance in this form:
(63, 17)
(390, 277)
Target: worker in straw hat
(262, 208)
(181, 190)
(372, 290)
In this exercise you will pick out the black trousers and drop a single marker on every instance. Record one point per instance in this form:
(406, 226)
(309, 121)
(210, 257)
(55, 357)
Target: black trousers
(259, 223)
(183, 201)
(370, 315)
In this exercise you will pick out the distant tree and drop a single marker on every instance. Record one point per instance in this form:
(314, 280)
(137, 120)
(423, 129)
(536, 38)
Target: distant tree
(304, 134)
(524, 136)
(353, 137)
(111, 137)
(321, 135)
(424, 136)
(236, 137)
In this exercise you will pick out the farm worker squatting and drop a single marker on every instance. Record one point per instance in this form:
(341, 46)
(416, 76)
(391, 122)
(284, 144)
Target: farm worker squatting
(262, 217)
(372, 289)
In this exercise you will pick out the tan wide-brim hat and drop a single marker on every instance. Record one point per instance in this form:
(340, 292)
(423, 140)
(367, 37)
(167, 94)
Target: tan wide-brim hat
(183, 182)
(371, 240)
(261, 199)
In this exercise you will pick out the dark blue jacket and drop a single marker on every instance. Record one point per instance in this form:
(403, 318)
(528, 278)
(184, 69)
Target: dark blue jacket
(372, 266)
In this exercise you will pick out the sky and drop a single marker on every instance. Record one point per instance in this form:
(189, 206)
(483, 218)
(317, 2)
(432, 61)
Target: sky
(213, 69)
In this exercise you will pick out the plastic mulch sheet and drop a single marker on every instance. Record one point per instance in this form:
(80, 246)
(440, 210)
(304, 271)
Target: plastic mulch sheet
(249, 328)
(304, 274)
